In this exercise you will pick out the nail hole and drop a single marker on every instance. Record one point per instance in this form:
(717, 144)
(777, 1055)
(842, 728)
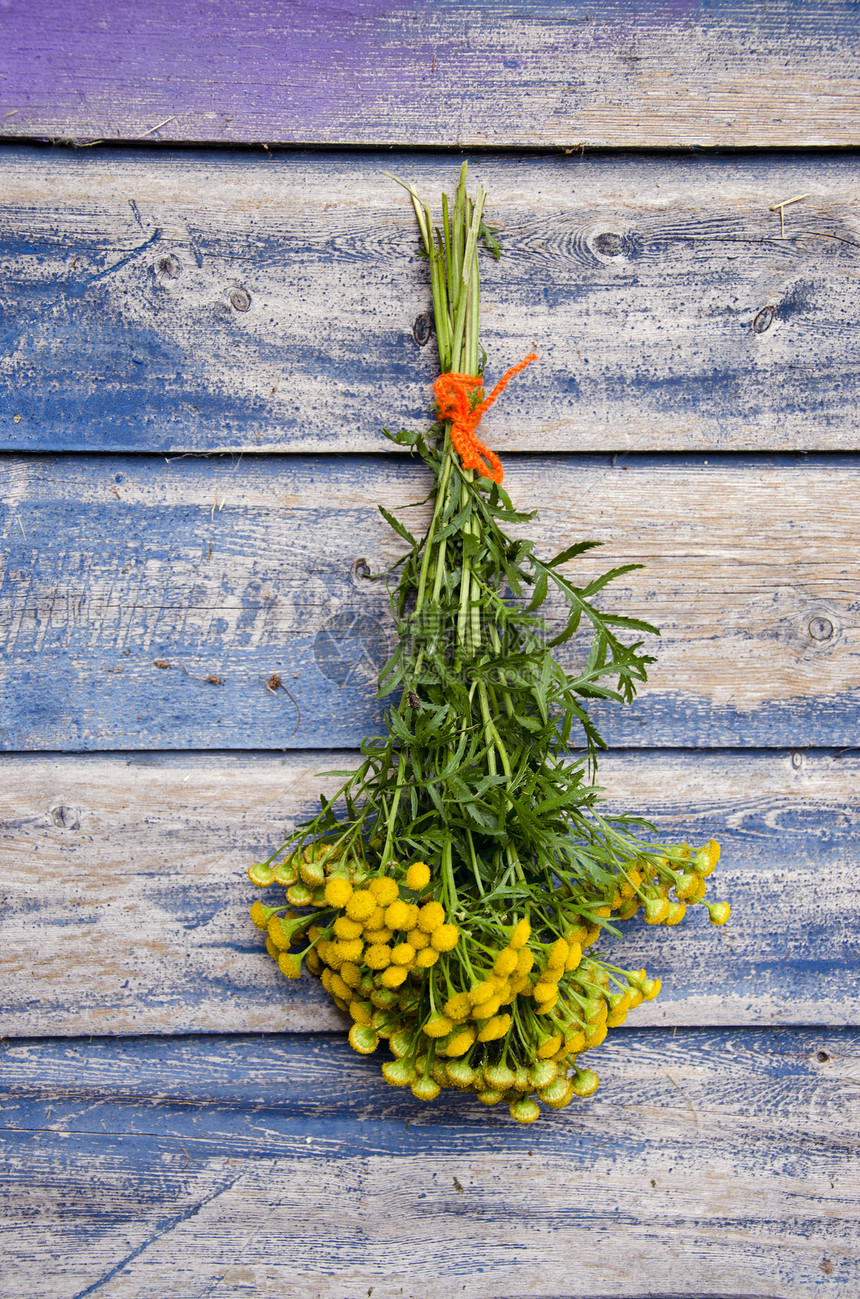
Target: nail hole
(820, 628)
(822, 1057)
(240, 300)
(167, 268)
(421, 328)
(764, 320)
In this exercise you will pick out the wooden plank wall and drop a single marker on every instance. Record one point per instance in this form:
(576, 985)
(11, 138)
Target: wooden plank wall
(198, 349)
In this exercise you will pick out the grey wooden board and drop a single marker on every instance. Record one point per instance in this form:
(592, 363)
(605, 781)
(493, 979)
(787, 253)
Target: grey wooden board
(204, 302)
(730, 73)
(236, 569)
(126, 899)
(707, 1164)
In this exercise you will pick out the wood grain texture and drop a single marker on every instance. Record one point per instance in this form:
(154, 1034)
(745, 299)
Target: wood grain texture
(126, 900)
(146, 602)
(677, 72)
(708, 1164)
(230, 302)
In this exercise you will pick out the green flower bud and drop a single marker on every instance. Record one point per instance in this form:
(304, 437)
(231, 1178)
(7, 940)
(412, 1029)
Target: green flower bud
(490, 1096)
(261, 875)
(363, 1039)
(542, 1073)
(525, 1110)
(425, 1089)
(460, 1074)
(499, 1076)
(399, 1073)
(584, 1083)
(558, 1094)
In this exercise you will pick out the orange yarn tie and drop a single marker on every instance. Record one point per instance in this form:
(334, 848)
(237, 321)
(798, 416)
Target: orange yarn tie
(454, 402)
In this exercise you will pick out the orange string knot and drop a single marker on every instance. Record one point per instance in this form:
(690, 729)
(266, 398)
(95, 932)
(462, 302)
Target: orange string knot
(454, 403)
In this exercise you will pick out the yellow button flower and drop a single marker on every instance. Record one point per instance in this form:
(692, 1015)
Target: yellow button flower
(363, 1039)
(340, 989)
(403, 954)
(460, 1043)
(348, 951)
(505, 963)
(338, 891)
(361, 1011)
(258, 914)
(276, 933)
(289, 965)
(525, 961)
(525, 1110)
(418, 876)
(481, 992)
(558, 954)
(431, 916)
(521, 934)
(438, 1025)
(378, 935)
(378, 956)
(458, 1007)
(350, 974)
(361, 905)
(445, 938)
(397, 915)
(384, 890)
(549, 1047)
(346, 928)
(494, 1028)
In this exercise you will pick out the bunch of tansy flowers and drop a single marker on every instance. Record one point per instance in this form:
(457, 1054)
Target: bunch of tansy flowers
(451, 896)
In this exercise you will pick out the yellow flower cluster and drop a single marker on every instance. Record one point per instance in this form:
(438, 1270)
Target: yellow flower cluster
(507, 1020)
(648, 885)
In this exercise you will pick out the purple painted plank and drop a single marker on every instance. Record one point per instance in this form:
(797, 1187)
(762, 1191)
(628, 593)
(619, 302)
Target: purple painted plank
(443, 71)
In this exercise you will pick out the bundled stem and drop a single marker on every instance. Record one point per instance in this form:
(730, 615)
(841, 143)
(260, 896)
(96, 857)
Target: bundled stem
(463, 869)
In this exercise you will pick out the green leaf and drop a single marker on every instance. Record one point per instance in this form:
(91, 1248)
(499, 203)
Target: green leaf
(599, 582)
(539, 594)
(398, 527)
(571, 552)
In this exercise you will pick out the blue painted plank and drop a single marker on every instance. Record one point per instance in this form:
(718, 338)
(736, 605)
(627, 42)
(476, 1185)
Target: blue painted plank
(804, 1076)
(667, 310)
(309, 1178)
(677, 72)
(145, 603)
(125, 893)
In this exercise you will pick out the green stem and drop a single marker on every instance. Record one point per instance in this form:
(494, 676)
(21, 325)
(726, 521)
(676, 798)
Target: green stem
(469, 263)
(474, 859)
(448, 884)
(492, 734)
(437, 510)
(395, 803)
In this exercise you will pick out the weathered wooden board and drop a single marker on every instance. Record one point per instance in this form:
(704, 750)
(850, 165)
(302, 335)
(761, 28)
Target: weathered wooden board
(676, 72)
(229, 302)
(707, 1164)
(228, 571)
(126, 899)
